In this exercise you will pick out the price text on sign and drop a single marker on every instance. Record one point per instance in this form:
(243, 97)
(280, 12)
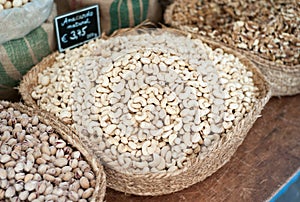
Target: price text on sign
(75, 28)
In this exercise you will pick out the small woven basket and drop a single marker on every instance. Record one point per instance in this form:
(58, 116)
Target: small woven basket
(69, 136)
(198, 169)
(283, 79)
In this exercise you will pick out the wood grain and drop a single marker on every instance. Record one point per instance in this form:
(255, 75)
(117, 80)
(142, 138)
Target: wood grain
(268, 157)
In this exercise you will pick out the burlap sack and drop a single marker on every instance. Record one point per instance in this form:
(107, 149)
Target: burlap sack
(19, 55)
(115, 14)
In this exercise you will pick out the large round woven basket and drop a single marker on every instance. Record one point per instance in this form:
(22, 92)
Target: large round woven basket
(69, 136)
(198, 169)
(283, 79)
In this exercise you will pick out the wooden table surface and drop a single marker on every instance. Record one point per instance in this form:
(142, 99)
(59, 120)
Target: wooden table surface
(269, 155)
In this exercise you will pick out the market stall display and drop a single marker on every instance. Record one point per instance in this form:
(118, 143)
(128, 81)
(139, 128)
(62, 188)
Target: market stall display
(162, 109)
(149, 110)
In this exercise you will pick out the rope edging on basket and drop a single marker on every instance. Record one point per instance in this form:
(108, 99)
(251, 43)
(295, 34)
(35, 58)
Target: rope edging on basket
(69, 136)
(159, 184)
(283, 79)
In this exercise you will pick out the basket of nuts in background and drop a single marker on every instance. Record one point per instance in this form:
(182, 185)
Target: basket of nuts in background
(42, 160)
(267, 32)
(161, 108)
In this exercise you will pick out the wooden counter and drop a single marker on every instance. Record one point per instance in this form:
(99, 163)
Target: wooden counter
(268, 157)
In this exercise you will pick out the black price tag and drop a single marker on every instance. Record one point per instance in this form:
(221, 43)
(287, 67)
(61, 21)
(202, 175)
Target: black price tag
(75, 28)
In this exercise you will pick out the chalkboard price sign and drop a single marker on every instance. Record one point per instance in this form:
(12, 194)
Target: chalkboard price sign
(75, 28)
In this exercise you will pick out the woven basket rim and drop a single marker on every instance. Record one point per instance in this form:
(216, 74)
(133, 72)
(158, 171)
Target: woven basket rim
(69, 136)
(254, 56)
(265, 94)
(284, 79)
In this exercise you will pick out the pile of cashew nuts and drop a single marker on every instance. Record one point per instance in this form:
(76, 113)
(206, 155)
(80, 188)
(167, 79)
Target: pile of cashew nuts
(148, 102)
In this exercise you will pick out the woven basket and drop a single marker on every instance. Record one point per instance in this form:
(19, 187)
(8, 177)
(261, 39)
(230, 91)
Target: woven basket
(198, 169)
(283, 79)
(69, 136)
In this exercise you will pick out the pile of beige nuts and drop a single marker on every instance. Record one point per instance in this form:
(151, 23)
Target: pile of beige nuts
(37, 165)
(7, 4)
(148, 102)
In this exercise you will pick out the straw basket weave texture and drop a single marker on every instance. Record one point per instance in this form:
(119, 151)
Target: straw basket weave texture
(198, 169)
(69, 136)
(283, 79)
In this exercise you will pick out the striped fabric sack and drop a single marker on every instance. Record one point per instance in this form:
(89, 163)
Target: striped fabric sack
(116, 14)
(19, 55)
